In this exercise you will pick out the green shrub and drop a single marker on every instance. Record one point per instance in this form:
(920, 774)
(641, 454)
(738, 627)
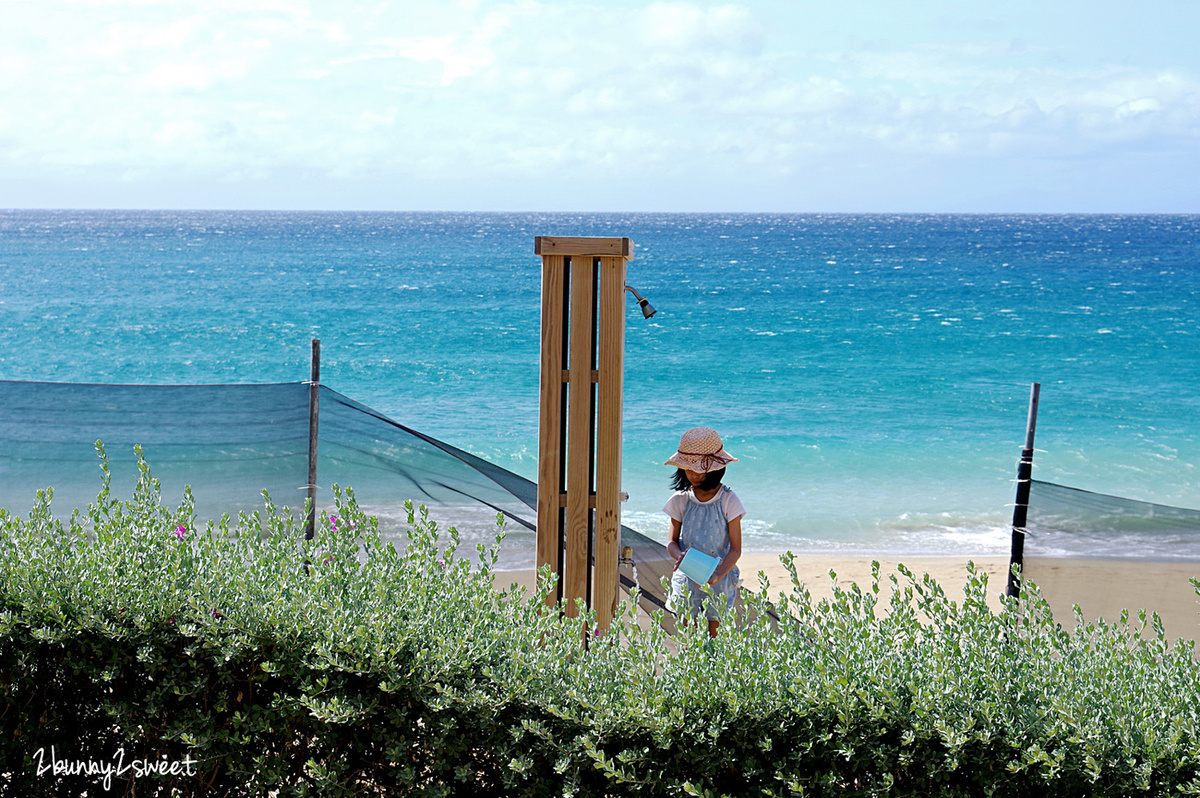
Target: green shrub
(254, 660)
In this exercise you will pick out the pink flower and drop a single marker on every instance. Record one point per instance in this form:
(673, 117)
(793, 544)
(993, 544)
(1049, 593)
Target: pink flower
(180, 531)
(333, 522)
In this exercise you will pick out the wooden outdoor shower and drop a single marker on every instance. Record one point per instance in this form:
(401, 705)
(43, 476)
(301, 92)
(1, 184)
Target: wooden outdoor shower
(579, 447)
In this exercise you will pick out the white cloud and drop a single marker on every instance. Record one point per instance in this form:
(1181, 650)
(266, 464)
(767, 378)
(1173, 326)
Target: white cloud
(520, 91)
(684, 27)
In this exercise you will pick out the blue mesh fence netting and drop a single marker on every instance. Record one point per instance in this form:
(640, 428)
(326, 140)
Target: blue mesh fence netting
(1065, 521)
(231, 442)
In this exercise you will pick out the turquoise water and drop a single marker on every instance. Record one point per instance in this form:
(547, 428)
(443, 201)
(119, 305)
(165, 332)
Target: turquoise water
(871, 372)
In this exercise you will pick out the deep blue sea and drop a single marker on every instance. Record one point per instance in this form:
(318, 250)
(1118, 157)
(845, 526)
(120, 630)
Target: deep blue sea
(871, 372)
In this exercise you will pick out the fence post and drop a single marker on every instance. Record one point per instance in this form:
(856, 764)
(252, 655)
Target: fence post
(1021, 506)
(314, 399)
(579, 420)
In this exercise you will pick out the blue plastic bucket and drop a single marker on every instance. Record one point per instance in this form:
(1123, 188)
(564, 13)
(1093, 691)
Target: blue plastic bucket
(698, 566)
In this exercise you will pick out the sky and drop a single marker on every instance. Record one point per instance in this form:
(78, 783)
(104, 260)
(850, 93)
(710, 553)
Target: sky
(620, 105)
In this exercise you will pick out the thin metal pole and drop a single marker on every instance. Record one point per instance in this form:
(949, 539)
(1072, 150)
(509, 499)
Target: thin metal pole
(1021, 507)
(314, 399)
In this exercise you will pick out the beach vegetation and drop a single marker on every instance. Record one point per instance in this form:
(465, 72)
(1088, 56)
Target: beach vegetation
(237, 658)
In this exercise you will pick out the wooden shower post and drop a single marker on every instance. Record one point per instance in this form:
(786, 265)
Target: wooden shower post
(579, 446)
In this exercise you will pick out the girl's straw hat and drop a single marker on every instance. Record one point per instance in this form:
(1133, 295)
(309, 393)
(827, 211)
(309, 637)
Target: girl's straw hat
(700, 450)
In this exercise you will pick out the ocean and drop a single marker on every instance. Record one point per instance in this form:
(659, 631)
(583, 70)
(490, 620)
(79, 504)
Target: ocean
(871, 372)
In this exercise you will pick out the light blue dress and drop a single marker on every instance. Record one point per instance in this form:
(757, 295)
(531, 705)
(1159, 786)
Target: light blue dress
(704, 527)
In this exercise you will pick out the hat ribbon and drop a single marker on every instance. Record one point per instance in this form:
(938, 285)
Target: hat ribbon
(706, 460)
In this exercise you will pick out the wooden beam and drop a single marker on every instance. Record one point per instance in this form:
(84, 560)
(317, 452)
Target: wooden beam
(579, 432)
(550, 421)
(566, 377)
(581, 245)
(611, 342)
(562, 500)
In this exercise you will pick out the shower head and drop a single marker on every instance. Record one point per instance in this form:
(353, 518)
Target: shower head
(647, 309)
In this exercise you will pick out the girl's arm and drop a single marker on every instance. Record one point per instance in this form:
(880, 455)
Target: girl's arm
(735, 551)
(673, 549)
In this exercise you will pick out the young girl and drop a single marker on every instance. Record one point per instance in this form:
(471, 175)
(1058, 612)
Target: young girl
(706, 515)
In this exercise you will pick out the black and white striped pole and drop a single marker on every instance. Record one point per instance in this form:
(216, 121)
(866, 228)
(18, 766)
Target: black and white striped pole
(314, 398)
(1021, 507)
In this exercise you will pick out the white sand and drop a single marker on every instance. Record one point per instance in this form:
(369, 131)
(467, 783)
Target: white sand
(1101, 588)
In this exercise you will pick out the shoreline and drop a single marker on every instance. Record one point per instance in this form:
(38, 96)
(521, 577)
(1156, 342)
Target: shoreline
(1101, 588)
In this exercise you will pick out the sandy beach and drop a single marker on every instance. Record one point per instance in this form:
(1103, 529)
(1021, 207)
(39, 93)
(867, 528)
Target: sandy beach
(1101, 588)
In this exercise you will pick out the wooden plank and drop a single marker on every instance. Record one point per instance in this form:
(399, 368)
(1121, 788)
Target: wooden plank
(583, 245)
(611, 343)
(550, 421)
(579, 432)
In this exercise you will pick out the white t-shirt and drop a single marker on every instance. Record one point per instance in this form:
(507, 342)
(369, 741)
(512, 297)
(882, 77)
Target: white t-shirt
(731, 505)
